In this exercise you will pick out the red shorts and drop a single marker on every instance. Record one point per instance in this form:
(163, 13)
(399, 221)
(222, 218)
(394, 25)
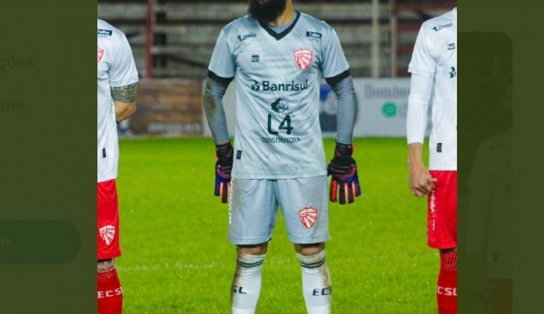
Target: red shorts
(107, 229)
(442, 215)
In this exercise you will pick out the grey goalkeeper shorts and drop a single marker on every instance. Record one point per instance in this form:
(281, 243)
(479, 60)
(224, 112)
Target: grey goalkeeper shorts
(254, 206)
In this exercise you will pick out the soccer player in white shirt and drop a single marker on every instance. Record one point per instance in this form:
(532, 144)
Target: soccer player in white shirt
(434, 80)
(117, 81)
(277, 56)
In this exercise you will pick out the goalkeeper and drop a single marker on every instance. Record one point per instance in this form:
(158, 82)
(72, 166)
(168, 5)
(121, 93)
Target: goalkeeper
(277, 56)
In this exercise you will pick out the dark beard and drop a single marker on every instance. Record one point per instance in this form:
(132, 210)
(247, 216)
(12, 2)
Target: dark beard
(267, 11)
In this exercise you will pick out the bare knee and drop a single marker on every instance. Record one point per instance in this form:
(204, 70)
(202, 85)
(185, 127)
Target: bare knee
(259, 249)
(309, 249)
(104, 265)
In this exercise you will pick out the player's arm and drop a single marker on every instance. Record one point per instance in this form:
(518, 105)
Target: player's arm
(421, 85)
(123, 79)
(423, 68)
(343, 168)
(214, 90)
(212, 99)
(220, 74)
(347, 107)
(124, 100)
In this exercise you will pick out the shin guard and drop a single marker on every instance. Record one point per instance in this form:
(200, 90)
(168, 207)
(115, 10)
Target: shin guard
(316, 283)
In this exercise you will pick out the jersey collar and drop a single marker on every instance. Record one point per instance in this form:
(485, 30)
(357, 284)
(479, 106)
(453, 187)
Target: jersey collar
(279, 36)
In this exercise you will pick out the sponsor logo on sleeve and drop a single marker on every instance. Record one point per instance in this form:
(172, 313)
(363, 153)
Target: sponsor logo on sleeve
(246, 36)
(451, 46)
(104, 32)
(438, 28)
(314, 35)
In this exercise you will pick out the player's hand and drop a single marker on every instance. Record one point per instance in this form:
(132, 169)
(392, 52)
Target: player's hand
(345, 181)
(421, 181)
(223, 168)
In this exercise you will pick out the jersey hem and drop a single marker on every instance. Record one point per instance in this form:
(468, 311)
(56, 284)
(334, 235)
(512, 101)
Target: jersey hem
(277, 176)
(106, 178)
(442, 168)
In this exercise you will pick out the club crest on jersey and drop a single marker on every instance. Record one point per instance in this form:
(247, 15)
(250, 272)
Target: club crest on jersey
(304, 58)
(308, 216)
(100, 54)
(107, 233)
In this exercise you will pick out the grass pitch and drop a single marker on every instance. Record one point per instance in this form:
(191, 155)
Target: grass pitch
(176, 258)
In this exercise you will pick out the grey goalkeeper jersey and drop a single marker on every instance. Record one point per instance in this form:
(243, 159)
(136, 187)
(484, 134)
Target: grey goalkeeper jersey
(277, 87)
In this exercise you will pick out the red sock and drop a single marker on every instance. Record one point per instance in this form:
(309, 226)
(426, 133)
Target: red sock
(446, 291)
(109, 294)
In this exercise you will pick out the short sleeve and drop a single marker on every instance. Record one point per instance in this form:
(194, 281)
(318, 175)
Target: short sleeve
(222, 62)
(123, 68)
(334, 61)
(423, 61)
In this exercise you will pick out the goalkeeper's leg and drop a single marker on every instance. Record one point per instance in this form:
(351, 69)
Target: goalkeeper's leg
(316, 279)
(304, 206)
(246, 285)
(252, 217)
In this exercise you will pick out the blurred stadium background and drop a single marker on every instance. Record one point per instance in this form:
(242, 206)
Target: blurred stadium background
(172, 41)
(176, 258)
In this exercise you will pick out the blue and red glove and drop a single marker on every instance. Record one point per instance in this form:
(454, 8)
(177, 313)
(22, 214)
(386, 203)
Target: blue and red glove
(343, 169)
(223, 168)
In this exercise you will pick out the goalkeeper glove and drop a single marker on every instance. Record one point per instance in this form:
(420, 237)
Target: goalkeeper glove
(343, 169)
(223, 168)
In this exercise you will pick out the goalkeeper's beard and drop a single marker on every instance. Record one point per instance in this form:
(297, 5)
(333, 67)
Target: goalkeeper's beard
(266, 11)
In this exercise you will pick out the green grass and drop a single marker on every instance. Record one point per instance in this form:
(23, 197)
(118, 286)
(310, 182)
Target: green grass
(176, 258)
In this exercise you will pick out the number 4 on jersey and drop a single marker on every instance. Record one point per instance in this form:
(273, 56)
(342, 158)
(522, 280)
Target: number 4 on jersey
(284, 125)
